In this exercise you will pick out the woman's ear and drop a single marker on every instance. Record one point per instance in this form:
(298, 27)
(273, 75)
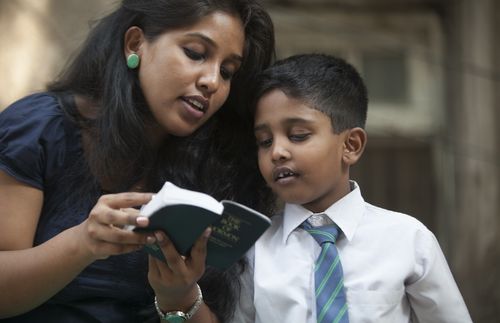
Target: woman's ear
(134, 37)
(354, 145)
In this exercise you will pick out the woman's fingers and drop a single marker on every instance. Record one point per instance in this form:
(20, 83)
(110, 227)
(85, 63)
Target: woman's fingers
(100, 248)
(174, 280)
(116, 209)
(154, 273)
(179, 263)
(126, 200)
(175, 262)
(105, 230)
(112, 233)
(199, 251)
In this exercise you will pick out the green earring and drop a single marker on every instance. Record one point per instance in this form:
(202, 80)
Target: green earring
(133, 61)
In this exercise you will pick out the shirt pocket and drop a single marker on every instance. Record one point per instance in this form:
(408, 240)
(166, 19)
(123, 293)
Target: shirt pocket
(378, 306)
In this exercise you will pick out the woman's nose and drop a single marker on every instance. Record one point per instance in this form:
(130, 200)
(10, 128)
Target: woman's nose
(209, 79)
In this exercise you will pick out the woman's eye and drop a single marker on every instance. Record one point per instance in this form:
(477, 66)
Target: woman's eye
(226, 73)
(194, 55)
(299, 137)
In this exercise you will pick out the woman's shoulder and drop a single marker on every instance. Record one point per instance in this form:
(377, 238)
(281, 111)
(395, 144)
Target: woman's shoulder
(34, 106)
(34, 119)
(33, 137)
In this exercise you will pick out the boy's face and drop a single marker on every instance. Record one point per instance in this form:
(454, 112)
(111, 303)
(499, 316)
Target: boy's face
(300, 156)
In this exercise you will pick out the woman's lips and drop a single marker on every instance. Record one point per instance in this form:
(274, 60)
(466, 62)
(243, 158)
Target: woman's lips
(196, 106)
(197, 102)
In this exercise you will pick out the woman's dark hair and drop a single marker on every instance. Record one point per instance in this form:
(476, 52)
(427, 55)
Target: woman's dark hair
(100, 74)
(219, 158)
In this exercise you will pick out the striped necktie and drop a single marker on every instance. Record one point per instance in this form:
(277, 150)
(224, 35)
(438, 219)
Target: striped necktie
(331, 304)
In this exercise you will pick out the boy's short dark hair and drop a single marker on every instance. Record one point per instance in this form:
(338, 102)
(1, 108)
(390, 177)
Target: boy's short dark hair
(324, 82)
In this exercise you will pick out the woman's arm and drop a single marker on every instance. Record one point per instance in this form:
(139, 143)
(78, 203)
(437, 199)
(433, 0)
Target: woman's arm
(32, 275)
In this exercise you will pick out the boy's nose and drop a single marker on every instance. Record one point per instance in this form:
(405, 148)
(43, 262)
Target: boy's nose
(280, 153)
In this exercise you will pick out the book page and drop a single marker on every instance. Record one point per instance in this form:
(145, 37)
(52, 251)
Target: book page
(171, 194)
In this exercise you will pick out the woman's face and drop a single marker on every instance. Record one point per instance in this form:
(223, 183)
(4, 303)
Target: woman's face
(185, 74)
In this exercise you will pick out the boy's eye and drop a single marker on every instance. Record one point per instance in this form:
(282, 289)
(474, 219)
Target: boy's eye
(194, 55)
(264, 143)
(299, 136)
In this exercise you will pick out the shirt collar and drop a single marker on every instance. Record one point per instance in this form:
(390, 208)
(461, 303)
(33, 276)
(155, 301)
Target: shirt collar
(346, 213)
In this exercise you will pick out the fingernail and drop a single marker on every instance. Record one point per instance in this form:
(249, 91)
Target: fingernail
(142, 221)
(159, 236)
(207, 232)
(150, 240)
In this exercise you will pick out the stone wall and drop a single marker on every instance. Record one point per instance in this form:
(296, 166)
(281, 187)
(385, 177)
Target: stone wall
(473, 142)
(38, 38)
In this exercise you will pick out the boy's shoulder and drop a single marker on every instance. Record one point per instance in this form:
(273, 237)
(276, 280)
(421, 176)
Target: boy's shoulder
(393, 223)
(378, 213)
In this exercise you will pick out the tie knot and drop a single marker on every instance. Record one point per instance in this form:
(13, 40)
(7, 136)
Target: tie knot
(327, 233)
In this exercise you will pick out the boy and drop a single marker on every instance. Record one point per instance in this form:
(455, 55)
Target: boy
(384, 266)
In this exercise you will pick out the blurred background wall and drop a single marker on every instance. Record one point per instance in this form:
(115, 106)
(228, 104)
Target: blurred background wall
(434, 91)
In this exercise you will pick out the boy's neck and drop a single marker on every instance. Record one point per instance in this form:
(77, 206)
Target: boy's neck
(322, 206)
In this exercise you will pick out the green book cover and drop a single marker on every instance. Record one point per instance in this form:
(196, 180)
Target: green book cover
(183, 215)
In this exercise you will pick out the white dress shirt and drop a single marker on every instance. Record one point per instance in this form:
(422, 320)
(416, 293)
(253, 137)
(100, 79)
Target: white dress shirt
(394, 269)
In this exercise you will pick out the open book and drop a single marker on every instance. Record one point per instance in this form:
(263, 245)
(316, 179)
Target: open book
(183, 215)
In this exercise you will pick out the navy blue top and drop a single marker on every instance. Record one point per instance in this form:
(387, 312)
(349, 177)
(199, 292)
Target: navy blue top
(39, 145)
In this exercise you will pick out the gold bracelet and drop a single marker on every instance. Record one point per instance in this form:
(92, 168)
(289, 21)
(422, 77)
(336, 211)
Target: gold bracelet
(180, 316)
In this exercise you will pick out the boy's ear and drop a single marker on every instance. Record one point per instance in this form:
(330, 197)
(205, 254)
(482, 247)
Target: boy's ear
(354, 145)
(134, 37)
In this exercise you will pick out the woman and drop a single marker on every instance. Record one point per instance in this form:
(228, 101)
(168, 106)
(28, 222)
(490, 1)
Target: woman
(138, 105)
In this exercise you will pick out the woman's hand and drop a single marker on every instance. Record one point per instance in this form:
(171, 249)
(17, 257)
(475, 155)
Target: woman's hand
(104, 232)
(174, 282)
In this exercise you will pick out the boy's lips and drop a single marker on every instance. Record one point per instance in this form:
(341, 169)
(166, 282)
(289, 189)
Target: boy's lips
(282, 173)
